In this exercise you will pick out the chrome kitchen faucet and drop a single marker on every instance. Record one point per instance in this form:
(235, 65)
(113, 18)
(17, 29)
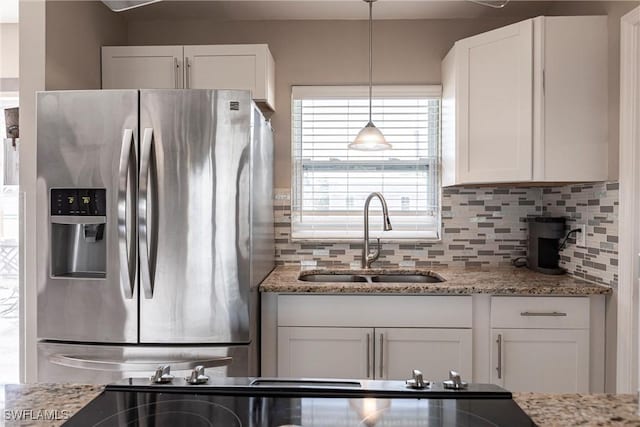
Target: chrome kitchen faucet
(368, 258)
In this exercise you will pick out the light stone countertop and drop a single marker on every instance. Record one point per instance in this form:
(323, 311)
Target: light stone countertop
(458, 281)
(580, 409)
(43, 404)
(544, 409)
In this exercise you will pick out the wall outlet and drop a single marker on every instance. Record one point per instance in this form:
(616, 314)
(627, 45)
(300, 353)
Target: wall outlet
(581, 237)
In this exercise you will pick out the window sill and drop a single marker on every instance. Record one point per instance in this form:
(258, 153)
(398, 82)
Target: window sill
(302, 238)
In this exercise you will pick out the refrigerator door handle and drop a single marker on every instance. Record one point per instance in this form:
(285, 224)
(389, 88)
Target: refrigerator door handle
(104, 364)
(145, 265)
(127, 280)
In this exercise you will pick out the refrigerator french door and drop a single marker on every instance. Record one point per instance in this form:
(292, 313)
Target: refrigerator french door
(155, 225)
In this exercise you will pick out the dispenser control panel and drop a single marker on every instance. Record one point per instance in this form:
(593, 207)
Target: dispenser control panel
(79, 201)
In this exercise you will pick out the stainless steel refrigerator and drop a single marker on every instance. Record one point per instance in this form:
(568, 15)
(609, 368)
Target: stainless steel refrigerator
(155, 228)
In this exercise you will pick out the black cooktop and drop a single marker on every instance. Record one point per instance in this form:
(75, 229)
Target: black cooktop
(246, 402)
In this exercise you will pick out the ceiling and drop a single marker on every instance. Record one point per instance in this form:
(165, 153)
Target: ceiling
(256, 10)
(9, 11)
(251, 10)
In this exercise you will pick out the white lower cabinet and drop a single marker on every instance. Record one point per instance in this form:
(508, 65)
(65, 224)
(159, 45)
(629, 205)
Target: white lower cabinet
(540, 344)
(541, 360)
(374, 353)
(369, 336)
(324, 352)
(435, 352)
(522, 343)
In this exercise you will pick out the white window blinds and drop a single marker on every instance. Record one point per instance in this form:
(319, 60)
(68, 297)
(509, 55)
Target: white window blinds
(330, 182)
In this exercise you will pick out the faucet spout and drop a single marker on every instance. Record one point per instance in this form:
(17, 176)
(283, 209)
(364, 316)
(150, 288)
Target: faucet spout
(368, 258)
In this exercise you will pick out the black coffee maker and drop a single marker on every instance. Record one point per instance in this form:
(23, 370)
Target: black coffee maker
(545, 234)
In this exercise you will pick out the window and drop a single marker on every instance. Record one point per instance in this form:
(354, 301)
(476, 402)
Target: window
(330, 182)
(9, 238)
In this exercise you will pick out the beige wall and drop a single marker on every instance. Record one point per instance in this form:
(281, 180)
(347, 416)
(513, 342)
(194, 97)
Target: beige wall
(75, 31)
(335, 52)
(325, 53)
(9, 51)
(615, 10)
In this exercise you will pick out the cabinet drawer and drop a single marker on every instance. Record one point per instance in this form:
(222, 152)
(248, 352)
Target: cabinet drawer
(540, 312)
(375, 311)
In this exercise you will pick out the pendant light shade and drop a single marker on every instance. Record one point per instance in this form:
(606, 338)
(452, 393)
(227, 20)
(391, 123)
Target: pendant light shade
(370, 138)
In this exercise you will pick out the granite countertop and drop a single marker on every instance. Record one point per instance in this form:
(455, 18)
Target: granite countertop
(32, 403)
(458, 281)
(43, 404)
(580, 409)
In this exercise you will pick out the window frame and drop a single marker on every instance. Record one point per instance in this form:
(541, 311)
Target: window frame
(351, 92)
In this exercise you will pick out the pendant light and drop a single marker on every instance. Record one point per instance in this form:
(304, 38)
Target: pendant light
(370, 138)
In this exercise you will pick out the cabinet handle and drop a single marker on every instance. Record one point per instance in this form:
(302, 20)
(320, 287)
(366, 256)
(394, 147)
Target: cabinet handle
(176, 68)
(543, 314)
(381, 354)
(499, 368)
(187, 72)
(368, 355)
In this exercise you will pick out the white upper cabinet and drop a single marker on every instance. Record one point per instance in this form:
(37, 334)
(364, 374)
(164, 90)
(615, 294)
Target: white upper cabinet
(527, 103)
(248, 67)
(489, 78)
(232, 67)
(142, 67)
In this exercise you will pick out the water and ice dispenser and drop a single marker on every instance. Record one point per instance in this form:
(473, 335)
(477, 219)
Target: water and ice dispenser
(78, 233)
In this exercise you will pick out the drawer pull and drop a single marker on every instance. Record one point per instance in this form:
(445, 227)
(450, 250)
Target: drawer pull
(368, 355)
(381, 355)
(499, 368)
(543, 314)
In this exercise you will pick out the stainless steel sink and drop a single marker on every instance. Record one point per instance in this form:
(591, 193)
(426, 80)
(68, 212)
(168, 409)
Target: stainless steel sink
(331, 278)
(387, 278)
(406, 278)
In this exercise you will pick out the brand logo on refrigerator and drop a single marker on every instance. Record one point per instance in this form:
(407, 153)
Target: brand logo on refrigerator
(234, 105)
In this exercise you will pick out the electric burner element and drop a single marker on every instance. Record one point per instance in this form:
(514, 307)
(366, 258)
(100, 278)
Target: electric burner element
(166, 410)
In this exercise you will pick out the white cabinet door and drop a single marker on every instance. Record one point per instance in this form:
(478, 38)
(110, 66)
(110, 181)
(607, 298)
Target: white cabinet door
(541, 360)
(495, 105)
(435, 352)
(247, 67)
(575, 106)
(142, 67)
(325, 352)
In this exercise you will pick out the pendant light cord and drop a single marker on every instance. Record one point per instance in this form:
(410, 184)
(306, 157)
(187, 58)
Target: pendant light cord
(370, 56)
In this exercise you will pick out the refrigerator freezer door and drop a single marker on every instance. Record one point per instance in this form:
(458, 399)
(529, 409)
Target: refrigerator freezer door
(194, 216)
(87, 364)
(86, 274)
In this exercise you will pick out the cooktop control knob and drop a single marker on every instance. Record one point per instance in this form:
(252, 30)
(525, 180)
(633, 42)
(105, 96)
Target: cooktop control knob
(417, 381)
(197, 376)
(162, 375)
(454, 382)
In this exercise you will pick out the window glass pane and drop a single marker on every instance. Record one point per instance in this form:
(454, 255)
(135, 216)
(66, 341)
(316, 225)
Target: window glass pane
(332, 182)
(9, 262)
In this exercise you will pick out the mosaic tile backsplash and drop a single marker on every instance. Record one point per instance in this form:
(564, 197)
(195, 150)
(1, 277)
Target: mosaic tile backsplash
(595, 205)
(482, 226)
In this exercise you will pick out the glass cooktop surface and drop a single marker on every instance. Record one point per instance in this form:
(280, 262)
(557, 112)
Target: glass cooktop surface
(159, 408)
